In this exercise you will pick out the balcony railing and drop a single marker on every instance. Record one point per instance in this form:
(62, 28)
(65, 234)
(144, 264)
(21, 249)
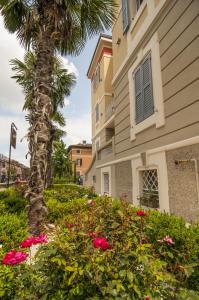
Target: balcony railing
(109, 111)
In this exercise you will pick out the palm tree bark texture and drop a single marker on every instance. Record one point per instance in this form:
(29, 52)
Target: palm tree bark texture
(39, 133)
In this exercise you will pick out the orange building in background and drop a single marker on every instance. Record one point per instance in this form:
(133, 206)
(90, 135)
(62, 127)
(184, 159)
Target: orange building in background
(82, 155)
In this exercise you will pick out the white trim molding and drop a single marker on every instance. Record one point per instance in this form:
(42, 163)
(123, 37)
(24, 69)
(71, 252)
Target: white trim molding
(153, 161)
(103, 171)
(158, 118)
(183, 143)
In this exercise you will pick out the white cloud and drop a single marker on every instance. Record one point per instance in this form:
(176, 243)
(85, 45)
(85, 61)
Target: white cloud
(11, 96)
(70, 66)
(67, 102)
(78, 129)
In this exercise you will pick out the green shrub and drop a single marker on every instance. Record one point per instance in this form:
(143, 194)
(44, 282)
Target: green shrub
(13, 229)
(13, 201)
(186, 237)
(64, 193)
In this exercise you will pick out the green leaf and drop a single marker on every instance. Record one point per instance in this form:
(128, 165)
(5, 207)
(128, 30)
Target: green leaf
(130, 276)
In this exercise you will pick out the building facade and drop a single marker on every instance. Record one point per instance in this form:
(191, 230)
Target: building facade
(17, 170)
(147, 149)
(81, 155)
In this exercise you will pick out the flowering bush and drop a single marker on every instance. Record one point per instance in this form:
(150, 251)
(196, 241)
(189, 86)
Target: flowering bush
(14, 257)
(109, 251)
(34, 240)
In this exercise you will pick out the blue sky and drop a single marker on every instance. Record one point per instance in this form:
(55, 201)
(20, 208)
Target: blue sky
(77, 110)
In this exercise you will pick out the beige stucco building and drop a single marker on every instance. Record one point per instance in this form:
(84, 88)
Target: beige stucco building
(145, 106)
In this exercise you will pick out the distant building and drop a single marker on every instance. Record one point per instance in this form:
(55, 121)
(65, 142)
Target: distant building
(82, 155)
(17, 170)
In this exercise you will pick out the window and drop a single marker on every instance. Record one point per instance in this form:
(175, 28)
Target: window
(79, 162)
(144, 104)
(139, 2)
(78, 174)
(97, 145)
(106, 183)
(96, 78)
(97, 113)
(94, 179)
(149, 194)
(78, 151)
(125, 15)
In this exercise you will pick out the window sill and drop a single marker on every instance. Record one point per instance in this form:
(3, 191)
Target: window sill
(150, 121)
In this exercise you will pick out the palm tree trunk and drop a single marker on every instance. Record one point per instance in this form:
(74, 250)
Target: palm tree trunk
(49, 164)
(39, 134)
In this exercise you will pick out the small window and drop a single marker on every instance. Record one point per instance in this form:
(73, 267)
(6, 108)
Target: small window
(106, 183)
(139, 2)
(78, 151)
(96, 78)
(97, 112)
(149, 188)
(77, 174)
(94, 179)
(79, 162)
(144, 104)
(97, 145)
(125, 15)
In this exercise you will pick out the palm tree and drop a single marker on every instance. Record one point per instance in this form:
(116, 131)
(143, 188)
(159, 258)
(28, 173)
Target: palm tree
(63, 81)
(50, 26)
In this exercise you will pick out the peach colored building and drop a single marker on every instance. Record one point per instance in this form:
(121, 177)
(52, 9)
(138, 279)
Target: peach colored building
(82, 155)
(145, 107)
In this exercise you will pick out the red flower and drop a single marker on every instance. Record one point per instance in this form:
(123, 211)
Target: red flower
(141, 213)
(34, 240)
(13, 257)
(101, 242)
(69, 225)
(147, 298)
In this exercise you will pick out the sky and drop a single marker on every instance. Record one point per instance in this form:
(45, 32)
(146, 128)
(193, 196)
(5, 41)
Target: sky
(77, 108)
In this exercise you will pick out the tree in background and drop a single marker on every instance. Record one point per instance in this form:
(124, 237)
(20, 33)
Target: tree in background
(61, 161)
(62, 83)
(50, 26)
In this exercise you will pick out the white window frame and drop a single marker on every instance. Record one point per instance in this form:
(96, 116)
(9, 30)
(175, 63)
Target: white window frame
(104, 171)
(153, 161)
(158, 118)
(141, 170)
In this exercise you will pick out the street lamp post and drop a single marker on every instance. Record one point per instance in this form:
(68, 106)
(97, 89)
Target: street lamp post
(13, 136)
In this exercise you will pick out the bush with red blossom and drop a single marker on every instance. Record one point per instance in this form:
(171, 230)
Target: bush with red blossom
(14, 257)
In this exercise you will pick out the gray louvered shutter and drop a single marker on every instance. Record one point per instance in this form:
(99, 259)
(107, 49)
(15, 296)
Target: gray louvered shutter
(148, 104)
(138, 96)
(125, 15)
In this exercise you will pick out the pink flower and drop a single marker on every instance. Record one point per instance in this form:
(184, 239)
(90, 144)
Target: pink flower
(34, 240)
(101, 242)
(141, 213)
(13, 257)
(168, 240)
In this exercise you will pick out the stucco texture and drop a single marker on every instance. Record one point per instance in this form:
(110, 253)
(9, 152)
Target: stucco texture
(183, 194)
(123, 180)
